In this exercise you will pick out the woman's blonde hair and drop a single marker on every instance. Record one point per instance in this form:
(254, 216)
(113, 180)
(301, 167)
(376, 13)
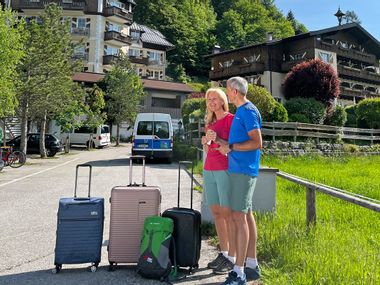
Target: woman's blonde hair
(210, 116)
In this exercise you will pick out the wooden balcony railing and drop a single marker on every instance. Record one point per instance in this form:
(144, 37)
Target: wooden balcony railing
(113, 35)
(241, 69)
(118, 12)
(70, 5)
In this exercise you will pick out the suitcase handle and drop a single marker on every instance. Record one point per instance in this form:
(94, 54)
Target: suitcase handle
(89, 178)
(130, 168)
(185, 162)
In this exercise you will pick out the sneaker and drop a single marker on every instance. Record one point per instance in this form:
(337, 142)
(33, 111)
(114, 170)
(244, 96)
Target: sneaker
(224, 267)
(233, 279)
(217, 261)
(252, 273)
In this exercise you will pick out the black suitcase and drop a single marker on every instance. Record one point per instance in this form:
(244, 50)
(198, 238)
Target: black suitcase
(187, 228)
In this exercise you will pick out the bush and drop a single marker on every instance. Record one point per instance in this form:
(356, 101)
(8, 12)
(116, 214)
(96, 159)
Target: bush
(351, 148)
(279, 113)
(262, 99)
(337, 118)
(183, 151)
(351, 116)
(312, 79)
(312, 110)
(368, 113)
(301, 118)
(190, 105)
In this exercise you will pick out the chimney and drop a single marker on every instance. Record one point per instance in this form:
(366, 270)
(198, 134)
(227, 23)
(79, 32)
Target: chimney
(269, 36)
(216, 49)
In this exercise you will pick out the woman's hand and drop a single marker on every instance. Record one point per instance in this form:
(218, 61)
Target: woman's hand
(211, 136)
(204, 140)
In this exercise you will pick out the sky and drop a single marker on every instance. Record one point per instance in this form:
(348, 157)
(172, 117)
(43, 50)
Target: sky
(319, 14)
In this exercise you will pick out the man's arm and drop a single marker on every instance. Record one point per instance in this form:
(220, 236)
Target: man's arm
(255, 142)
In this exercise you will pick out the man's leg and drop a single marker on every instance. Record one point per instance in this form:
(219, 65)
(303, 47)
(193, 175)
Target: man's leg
(251, 252)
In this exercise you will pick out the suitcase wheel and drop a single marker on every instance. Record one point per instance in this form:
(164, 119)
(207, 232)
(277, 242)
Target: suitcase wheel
(93, 268)
(111, 267)
(56, 269)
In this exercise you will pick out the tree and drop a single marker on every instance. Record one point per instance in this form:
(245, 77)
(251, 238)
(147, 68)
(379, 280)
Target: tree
(297, 26)
(188, 24)
(11, 52)
(248, 22)
(124, 91)
(47, 87)
(352, 17)
(312, 79)
(338, 117)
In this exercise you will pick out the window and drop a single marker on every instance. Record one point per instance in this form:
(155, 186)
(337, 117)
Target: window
(113, 27)
(135, 35)
(161, 129)
(278, 99)
(104, 130)
(85, 130)
(325, 57)
(108, 50)
(134, 52)
(154, 57)
(145, 128)
(165, 102)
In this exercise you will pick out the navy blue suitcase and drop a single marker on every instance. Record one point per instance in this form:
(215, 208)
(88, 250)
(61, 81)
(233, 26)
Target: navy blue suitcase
(187, 229)
(79, 228)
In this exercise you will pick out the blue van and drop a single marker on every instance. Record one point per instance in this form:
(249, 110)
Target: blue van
(153, 136)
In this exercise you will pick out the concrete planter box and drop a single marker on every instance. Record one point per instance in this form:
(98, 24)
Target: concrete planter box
(264, 196)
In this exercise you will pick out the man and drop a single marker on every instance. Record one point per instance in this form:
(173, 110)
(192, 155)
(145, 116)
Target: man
(243, 151)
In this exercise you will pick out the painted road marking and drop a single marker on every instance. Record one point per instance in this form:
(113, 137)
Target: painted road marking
(39, 172)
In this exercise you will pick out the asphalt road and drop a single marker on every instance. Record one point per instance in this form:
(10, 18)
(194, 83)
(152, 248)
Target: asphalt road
(28, 206)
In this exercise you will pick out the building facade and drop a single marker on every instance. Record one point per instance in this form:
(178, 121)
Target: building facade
(102, 26)
(106, 28)
(349, 48)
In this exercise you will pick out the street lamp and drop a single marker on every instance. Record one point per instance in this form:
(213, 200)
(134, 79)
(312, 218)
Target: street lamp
(339, 14)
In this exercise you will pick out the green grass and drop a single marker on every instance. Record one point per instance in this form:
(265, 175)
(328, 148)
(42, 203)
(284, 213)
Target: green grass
(344, 246)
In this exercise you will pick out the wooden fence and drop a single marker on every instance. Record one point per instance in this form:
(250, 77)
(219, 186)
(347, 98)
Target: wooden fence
(295, 130)
(311, 188)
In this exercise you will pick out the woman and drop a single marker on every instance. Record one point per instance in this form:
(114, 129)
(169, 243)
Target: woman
(216, 179)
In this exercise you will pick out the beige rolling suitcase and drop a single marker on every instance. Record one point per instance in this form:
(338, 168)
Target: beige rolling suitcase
(130, 205)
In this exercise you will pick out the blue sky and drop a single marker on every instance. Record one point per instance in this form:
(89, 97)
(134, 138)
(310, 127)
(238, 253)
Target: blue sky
(319, 14)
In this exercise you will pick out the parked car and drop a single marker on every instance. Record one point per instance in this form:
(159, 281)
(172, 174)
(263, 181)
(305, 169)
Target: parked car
(101, 136)
(52, 144)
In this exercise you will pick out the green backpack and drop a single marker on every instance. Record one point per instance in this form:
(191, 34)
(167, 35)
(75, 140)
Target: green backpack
(154, 261)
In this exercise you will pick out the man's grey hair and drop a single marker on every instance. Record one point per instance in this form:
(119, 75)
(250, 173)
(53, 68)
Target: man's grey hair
(238, 83)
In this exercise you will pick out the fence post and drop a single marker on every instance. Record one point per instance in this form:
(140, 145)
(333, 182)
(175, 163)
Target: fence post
(371, 137)
(311, 210)
(274, 136)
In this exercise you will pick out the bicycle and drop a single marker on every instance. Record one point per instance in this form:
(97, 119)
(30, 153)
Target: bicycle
(14, 159)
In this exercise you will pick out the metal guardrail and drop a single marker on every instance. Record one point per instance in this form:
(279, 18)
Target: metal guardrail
(311, 188)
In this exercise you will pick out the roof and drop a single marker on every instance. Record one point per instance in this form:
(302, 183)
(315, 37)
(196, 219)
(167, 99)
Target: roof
(371, 42)
(90, 77)
(152, 36)
(166, 85)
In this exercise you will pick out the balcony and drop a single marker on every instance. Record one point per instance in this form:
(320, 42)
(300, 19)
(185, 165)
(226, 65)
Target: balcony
(287, 65)
(234, 70)
(350, 92)
(81, 32)
(175, 113)
(155, 62)
(115, 14)
(81, 55)
(358, 73)
(139, 60)
(347, 52)
(65, 4)
(117, 38)
(109, 59)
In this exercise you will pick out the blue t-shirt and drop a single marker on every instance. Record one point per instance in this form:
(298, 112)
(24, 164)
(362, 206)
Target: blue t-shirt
(247, 118)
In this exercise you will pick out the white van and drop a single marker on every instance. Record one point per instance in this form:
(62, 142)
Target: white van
(81, 136)
(153, 136)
